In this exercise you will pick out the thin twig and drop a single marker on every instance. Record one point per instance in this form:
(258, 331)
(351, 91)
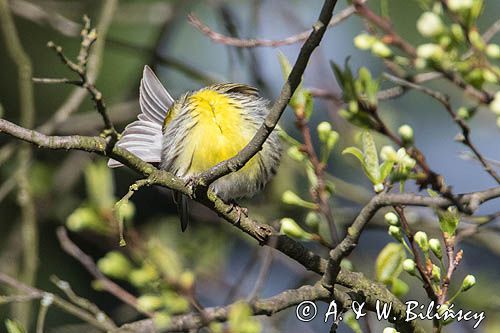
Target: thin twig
(35, 293)
(70, 248)
(445, 101)
(249, 43)
(320, 192)
(263, 273)
(82, 302)
(36, 13)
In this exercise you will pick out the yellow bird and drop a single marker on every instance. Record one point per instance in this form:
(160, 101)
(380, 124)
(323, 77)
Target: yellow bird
(199, 130)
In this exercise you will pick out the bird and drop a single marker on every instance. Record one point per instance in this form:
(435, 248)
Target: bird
(198, 130)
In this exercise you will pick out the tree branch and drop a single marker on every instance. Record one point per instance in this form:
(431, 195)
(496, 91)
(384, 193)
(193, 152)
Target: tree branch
(249, 43)
(268, 307)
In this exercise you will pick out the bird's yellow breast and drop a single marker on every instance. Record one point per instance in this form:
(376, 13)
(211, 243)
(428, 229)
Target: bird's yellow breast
(220, 131)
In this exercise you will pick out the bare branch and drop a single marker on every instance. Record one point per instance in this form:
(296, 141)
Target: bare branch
(445, 101)
(70, 248)
(268, 307)
(248, 43)
(58, 301)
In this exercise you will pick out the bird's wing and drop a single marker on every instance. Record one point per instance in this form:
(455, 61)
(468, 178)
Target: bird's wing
(143, 137)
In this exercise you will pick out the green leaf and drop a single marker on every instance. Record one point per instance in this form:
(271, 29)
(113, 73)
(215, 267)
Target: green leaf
(299, 97)
(389, 263)
(399, 287)
(385, 170)
(286, 67)
(14, 327)
(448, 220)
(356, 152)
(370, 157)
(309, 103)
(350, 320)
(346, 79)
(87, 218)
(100, 187)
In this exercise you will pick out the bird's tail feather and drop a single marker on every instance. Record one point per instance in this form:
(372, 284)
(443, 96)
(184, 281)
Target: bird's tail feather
(183, 209)
(143, 137)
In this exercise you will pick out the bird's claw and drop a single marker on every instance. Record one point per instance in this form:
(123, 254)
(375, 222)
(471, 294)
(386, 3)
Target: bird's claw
(233, 206)
(191, 182)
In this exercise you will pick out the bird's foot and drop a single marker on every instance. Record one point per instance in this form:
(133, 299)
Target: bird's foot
(233, 206)
(191, 182)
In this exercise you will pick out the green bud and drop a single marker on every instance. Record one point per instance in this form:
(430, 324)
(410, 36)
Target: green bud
(469, 282)
(422, 241)
(86, 218)
(295, 154)
(143, 276)
(379, 187)
(389, 330)
(396, 232)
(313, 220)
(364, 41)
(459, 5)
(493, 51)
(476, 40)
(406, 133)
(402, 61)
(435, 246)
(437, 8)
(332, 139)
(475, 77)
(430, 51)
(463, 113)
(216, 327)
(409, 266)
(381, 50)
(347, 264)
(345, 114)
(457, 32)
(429, 24)
(495, 104)
(126, 211)
(290, 228)
(353, 106)
(420, 63)
(445, 41)
(162, 320)
(387, 153)
(489, 76)
(391, 218)
(291, 198)
(174, 302)
(445, 308)
(399, 288)
(436, 273)
(186, 280)
(324, 129)
(115, 265)
(149, 303)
